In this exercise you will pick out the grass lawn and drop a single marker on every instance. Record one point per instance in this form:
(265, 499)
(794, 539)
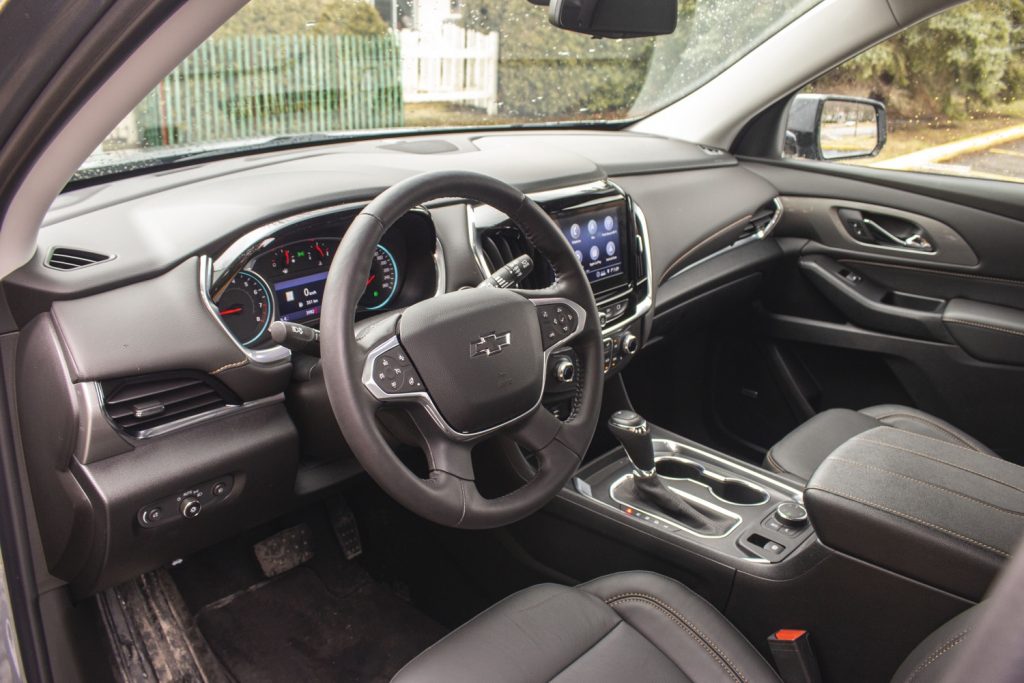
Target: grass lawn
(910, 136)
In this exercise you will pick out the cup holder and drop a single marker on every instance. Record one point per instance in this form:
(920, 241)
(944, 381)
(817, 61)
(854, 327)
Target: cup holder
(735, 491)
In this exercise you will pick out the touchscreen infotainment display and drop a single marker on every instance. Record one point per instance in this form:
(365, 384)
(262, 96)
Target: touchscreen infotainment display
(596, 237)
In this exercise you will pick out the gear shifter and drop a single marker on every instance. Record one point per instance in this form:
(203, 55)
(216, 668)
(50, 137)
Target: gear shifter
(634, 434)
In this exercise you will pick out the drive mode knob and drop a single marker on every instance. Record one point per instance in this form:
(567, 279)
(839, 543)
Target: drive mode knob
(190, 508)
(791, 514)
(630, 343)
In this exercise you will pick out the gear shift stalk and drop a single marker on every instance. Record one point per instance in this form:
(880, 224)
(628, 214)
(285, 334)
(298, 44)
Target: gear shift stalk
(634, 434)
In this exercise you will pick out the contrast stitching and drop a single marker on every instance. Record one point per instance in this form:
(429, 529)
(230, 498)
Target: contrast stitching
(933, 423)
(703, 640)
(772, 462)
(943, 273)
(926, 456)
(911, 518)
(229, 366)
(983, 326)
(943, 649)
(929, 484)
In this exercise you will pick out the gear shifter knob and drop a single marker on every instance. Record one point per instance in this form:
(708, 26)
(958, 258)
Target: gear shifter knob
(634, 434)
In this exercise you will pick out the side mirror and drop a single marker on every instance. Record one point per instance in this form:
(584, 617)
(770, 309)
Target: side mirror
(830, 127)
(614, 18)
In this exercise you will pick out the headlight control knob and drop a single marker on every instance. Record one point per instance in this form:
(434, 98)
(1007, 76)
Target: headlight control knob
(630, 343)
(190, 508)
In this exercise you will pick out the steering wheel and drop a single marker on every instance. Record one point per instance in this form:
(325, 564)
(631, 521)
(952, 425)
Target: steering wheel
(466, 365)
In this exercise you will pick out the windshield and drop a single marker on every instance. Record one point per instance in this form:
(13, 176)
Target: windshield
(284, 72)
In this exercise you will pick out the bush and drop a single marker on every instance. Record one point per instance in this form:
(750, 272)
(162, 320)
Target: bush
(296, 17)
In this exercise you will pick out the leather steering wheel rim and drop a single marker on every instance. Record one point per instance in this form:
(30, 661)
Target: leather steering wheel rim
(449, 495)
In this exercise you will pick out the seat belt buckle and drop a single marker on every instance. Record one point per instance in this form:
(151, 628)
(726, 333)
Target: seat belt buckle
(793, 656)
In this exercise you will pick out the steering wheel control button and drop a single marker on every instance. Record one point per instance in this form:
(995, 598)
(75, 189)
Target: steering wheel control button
(394, 374)
(557, 321)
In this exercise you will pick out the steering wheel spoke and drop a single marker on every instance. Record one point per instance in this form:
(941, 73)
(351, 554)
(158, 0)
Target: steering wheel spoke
(560, 319)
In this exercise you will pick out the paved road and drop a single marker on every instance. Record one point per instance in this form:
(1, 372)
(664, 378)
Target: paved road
(1006, 159)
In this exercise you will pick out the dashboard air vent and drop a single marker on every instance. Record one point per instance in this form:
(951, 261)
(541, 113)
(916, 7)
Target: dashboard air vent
(139, 404)
(762, 222)
(501, 245)
(66, 258)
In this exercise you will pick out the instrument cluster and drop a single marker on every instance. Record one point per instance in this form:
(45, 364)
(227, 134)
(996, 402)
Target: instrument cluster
(286, 281)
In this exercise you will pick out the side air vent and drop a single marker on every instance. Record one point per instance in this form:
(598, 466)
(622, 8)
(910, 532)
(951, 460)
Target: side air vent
(66, 258)
(501, 245)
(762, 222)
(140, 404)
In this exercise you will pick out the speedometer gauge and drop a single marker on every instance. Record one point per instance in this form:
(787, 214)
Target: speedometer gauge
(382, 282)
(246, 308)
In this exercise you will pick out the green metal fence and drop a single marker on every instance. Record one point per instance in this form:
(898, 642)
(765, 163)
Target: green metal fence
(254, 86)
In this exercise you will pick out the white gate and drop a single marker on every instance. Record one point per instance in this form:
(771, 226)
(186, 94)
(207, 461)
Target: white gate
(450, 65)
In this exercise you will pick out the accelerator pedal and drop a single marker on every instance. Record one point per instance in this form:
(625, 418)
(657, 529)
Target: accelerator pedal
(345, 528)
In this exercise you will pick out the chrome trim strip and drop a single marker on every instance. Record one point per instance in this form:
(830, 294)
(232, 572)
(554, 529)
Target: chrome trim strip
(716, 476)
(698, 503)
(209, 416)
(759, 235)
(423, 398)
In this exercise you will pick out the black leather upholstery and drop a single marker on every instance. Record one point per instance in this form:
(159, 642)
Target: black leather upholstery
(634, 626)
(801, 451)
(930, 661)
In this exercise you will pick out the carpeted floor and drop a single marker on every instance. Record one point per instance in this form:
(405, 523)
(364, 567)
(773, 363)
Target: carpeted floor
(301, 626)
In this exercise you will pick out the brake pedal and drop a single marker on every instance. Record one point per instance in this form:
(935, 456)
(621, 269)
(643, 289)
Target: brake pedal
(345, 528)
(284, 550)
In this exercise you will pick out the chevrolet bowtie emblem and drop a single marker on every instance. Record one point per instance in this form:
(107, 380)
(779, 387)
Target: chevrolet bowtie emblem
(490, 344)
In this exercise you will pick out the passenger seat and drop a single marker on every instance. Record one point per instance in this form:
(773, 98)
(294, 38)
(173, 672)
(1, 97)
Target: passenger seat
(801, 451)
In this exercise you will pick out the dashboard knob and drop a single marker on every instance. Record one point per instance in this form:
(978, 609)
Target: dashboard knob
(190, 508)
(791, 514)
(564, 371)
(630, 343)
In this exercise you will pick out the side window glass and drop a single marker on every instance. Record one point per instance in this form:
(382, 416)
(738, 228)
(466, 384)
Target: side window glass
(945, 96)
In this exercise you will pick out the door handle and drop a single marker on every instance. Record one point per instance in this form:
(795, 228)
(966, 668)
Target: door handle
(867, 230)
(915, 240)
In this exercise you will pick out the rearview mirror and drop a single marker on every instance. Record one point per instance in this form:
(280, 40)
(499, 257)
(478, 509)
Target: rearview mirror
(831, 127)
(615, 18)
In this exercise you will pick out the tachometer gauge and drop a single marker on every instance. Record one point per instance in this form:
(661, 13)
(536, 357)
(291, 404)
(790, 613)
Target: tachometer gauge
(246, 307)
(382, 282)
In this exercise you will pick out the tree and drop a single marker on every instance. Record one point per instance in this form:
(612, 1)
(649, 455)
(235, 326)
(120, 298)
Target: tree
(297, 17)
(956, 63)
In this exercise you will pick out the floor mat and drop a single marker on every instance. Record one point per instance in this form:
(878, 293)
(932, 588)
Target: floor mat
(296, 627)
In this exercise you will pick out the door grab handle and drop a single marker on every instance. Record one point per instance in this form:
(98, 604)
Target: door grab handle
(916, 241)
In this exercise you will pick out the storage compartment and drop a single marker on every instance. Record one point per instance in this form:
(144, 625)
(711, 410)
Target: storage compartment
(946, 515)
(913, 302)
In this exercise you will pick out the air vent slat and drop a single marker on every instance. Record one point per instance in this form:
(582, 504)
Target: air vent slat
(141, 403)
(66, 258)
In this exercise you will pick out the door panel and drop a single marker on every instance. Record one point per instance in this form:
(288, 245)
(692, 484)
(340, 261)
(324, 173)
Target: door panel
(947, 321)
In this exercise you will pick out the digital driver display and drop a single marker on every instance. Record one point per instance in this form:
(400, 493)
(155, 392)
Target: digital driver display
(595, 236)
(299, 299)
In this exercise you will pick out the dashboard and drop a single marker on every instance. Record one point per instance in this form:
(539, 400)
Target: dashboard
(154, 366)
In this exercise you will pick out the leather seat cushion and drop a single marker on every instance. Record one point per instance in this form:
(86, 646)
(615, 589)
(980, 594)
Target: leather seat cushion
(633, 626)
(801, 451)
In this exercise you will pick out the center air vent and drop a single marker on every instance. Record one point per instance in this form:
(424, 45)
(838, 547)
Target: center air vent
(500, 245)
(139, 404)
(66, 258)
